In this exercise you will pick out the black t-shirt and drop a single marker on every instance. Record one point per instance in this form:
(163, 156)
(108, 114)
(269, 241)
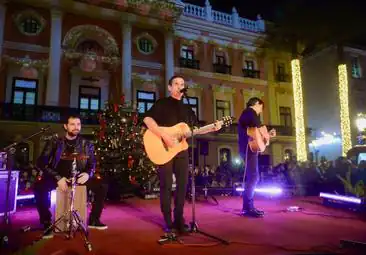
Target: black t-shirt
(64, 167)
(248, 118)
(169, 111)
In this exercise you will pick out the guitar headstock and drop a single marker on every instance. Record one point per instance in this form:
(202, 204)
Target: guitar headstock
(227, 121)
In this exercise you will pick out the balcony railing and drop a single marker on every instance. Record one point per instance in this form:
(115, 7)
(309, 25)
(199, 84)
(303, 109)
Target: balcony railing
(42, 113)
(280, 130)
(222, 68)
(280, 77)
(226, 19)
(249, 73)
(189, 63)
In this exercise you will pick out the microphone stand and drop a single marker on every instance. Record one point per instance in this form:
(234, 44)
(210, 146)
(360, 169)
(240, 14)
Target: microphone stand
(193, 224)
(10, 150)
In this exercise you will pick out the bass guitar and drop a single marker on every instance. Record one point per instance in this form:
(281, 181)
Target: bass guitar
(159, 153)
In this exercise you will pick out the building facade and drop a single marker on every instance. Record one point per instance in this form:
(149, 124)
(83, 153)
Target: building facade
(322, 97)
(61, 57)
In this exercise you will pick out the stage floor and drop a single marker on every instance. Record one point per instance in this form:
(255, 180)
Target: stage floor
(135, 226)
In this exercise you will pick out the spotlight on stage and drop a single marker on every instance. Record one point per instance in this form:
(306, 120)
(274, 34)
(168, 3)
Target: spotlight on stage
(340, 201)
(31, 196)
(264, 190)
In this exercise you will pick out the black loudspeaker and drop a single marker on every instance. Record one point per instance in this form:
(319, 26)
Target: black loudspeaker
(204, 148)
(12, 191)
(264, 160)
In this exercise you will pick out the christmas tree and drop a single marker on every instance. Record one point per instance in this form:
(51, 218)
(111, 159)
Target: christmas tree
(119, 148)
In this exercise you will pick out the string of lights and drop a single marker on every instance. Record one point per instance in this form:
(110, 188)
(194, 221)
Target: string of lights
(344, 109)
(301, 150)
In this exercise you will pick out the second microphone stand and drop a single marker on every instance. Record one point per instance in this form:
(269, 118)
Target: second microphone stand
(193, 224)
(10, 150)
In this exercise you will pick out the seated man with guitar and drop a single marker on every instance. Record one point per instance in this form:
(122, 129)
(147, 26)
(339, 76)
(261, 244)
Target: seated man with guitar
(253, 138)
(168, 122)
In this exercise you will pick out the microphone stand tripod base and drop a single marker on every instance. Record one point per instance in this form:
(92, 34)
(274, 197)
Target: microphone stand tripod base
(195, 229)
(193, 224)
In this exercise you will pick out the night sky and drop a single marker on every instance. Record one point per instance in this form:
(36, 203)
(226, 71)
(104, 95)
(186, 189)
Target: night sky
(247, 9)
(322, 15)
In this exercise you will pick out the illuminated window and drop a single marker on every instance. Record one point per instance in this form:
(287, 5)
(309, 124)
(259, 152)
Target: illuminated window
(356, 67)
(222, 109)
(193, 103)
(145, 100)
(89, 98)
(24, 91)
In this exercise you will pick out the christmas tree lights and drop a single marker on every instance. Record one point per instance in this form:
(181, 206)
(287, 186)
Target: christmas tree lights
(119, 146)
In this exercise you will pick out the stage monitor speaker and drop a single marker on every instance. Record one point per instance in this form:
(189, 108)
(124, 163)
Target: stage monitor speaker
(204, 148)
(12, 191)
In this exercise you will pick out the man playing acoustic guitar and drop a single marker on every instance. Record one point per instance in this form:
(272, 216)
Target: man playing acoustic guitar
(167, 112)
(253, 137)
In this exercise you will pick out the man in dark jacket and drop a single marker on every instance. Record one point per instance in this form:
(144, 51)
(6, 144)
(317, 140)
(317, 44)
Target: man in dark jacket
(250, 118)
(57, 172)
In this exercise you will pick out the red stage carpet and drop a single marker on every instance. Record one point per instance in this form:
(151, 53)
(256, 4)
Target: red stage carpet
(135, 226)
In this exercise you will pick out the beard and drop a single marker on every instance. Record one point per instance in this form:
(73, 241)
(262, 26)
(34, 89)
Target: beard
(73, 133)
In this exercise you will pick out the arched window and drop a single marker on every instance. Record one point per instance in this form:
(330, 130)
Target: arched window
(225, 155)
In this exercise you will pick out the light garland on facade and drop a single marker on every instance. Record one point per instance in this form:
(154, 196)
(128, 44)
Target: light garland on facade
(301, 150)
(344, 109)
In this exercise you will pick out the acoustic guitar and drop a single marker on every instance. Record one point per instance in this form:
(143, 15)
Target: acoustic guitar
(257, 140)
(159, 153)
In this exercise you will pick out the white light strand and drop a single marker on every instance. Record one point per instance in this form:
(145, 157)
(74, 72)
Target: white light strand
(344, 109)
(301, 149)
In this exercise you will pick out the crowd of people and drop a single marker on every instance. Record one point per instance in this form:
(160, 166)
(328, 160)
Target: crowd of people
(304, 179)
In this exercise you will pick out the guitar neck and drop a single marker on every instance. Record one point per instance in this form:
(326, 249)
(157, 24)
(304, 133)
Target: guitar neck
(202, 130)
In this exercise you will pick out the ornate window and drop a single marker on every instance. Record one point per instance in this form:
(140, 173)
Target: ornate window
(24, 91)
(193, 103)
(146, 44)
(285, 116)
(145, 100)
(222, 109)
(29, 22)
(89, 98)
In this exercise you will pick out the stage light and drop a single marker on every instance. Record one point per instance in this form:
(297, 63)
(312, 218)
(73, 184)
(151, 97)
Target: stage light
(53, 197)
(354, 200)
(344, 109)
(325, 139)
(237, 161)
(301, 149)
(31, 196)
(361, 122)
(24, 197)
(269, 190)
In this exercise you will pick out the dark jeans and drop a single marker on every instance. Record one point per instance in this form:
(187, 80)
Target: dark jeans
(251, 178)
(178, 166)
(43, 203)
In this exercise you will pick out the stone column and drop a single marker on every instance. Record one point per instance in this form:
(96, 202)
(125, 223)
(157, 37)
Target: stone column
(169, 57)
(2, 27)
(127, 62)
(53, 83)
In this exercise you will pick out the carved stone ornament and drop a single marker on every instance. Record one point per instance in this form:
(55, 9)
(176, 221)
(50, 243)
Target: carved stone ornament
(148, 37)
(78, 34)
(22, 16)
(224, 89)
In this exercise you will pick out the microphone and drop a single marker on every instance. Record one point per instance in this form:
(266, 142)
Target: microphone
(45, 128)
(184, 90)
(50, 137)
